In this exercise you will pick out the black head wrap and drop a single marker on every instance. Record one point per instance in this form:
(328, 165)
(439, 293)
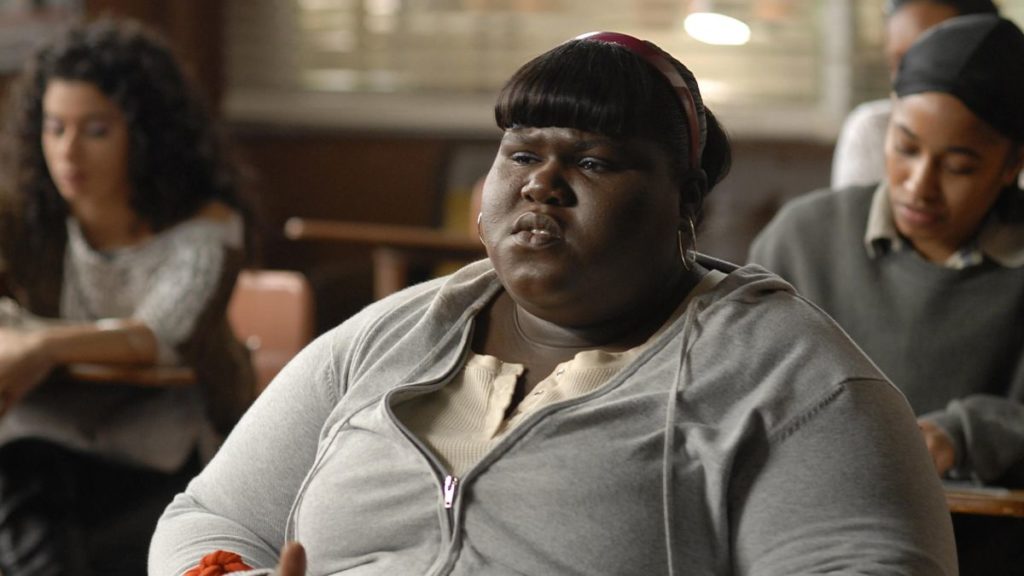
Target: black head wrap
(979, 59)
(961, 6)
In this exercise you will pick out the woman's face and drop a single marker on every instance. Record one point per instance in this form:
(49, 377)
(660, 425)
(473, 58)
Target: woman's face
(85, 142)
(946, 168)
(581, 227)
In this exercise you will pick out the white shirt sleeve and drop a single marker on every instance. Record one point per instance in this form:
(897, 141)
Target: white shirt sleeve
(859, 156)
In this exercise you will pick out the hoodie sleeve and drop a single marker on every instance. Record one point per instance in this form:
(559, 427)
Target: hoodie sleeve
(240, 502)
(847, 487)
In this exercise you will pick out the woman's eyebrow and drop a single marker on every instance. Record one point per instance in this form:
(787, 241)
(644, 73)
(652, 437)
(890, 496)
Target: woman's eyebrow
(964, 150)
(906, 131)
(88, 117)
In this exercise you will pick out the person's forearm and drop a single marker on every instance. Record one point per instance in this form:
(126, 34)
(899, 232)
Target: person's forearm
(988, 432)
(108, 341)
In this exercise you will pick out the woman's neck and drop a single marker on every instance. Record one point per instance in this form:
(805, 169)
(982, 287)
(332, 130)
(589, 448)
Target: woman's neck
(110, 226)
(623, 332)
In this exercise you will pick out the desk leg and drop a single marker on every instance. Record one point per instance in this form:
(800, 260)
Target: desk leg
(390, 271)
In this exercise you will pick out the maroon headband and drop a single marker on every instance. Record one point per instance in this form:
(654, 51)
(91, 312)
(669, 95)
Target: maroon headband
(656, 58)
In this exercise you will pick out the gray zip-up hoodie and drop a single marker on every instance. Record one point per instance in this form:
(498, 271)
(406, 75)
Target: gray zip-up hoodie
(752, 437)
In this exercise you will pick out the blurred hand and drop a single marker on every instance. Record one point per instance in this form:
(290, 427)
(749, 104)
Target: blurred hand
(293, 561)
(940, 446)
(23, 365)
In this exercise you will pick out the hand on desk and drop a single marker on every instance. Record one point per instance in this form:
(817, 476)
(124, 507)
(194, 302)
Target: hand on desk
(940, 446)
(23, 365)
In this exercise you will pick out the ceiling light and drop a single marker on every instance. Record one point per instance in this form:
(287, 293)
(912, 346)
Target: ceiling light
(705, 25)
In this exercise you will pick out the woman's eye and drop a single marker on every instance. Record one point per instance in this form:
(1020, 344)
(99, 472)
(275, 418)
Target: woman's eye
(904, 150)
(959, 169)
(594, 165)
(521, 157)
(54, 127)
(97, 129)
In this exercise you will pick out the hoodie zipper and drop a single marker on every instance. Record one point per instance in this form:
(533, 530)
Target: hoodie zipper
(450, 491)
(450, 483)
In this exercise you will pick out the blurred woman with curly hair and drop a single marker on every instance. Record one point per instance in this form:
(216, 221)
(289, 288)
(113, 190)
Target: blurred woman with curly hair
(121, 233)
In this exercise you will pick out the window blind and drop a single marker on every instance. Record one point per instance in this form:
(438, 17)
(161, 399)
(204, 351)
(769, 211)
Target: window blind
(436, 65)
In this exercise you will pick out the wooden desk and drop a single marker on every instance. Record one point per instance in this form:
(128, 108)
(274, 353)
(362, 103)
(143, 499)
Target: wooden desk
(394, 248)
(136, 375)
(985, 501)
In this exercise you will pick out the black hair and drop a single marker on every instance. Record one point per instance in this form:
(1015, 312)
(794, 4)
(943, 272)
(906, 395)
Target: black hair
(177, 160)
(607, 89)
(962, 7)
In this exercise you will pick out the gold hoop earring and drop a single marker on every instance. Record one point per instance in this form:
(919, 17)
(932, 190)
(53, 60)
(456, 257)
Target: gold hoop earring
(688, 256)
(682, 249)
(693, 241)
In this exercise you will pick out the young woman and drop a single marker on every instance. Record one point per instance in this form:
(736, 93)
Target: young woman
(926, 270)
(593, 398)
(122, 229)
(859, 157)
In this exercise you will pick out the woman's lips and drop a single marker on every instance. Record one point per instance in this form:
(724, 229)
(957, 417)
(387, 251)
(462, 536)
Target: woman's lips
(917, 216)
(536, 230)
(71, 178)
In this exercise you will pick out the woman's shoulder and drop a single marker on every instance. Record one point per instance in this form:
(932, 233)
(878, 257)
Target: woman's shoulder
(819, 207)
(427, 307)
(765, 317)
(872, 115)
(216, 211)
(763, 297)
(386, 340)
(773, 350)
(215, 224)
(813, 222)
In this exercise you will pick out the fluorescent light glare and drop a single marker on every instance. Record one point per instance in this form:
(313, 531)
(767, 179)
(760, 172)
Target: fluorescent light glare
(715, 91)
(714, 28)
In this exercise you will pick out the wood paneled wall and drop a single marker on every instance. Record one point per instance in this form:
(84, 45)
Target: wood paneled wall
(370, 178)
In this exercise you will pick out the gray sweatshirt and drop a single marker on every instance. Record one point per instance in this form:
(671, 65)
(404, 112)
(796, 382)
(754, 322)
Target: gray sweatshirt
(752, 437)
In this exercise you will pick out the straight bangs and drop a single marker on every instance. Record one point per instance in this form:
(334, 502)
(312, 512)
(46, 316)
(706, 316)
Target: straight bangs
(586, 85)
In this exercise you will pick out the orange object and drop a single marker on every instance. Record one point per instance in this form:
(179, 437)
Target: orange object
(218, 563)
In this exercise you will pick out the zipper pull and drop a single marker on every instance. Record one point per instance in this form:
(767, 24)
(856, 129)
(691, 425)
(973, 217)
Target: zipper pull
(451, 484)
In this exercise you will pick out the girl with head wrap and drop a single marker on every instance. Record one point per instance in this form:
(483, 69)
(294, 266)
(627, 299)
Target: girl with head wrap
(926, 271)
(593, 398)
(859, 157)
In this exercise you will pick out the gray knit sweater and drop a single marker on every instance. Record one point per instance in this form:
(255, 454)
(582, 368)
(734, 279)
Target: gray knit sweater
(751, 437)
(951, 340)
(178, 283)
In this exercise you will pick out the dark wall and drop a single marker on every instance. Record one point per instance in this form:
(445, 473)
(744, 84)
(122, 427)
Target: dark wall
(367, 178)
(765, 174)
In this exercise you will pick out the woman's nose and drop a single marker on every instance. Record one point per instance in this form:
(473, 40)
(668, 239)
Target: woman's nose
(546, 185)
(70, 144)
(922, 182)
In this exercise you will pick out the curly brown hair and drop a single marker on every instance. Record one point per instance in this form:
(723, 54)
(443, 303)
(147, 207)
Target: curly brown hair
(177, 159)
